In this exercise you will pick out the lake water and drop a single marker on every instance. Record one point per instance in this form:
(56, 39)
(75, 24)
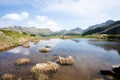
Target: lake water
(90, 56)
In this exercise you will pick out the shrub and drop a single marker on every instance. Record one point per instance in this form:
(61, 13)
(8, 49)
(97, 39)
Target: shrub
(44, 67)
(22, 61)
(42, 77)
(65, 61)
(7, 77)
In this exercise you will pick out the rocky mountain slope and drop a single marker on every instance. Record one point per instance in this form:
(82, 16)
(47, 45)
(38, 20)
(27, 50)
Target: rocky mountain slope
(109, 27)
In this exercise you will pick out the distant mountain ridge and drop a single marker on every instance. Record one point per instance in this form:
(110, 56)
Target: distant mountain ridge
(108, 27)
(71, 32)
(103, 28)
(76, 30)
(30, 30)
(45, 32)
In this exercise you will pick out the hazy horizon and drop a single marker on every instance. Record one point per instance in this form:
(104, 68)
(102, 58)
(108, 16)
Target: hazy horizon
(58, 14)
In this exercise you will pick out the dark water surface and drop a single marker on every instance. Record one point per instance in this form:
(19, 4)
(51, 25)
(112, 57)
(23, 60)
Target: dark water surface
(90, 56)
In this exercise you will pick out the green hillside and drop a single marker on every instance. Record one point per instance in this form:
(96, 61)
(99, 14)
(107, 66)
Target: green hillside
(109, 27)
(10, 38)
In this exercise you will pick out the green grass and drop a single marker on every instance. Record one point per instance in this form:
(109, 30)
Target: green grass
(10, 38)
(112, 37)
(100, 36)
(14, 34)
(88, 36)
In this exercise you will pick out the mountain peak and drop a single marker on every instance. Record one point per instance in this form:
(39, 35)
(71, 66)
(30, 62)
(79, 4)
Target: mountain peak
(76, 30)
(109, 22)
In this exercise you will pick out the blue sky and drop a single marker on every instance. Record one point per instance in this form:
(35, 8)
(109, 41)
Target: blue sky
(57, 14)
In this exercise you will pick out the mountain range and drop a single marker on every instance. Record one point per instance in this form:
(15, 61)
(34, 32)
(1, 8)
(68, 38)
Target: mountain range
(108, 27)
(30, 30)
(45, 32)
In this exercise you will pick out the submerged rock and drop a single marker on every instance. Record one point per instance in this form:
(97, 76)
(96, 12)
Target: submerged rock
(114, 73)
(44, 49)
(65, 61)
(48, 46)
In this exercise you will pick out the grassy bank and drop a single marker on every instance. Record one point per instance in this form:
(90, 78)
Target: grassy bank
(10, 38)
(87, 36)
(113, 37)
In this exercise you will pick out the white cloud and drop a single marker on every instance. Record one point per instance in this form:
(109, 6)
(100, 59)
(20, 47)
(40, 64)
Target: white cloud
(24, 15)
(86, 12)
(41, 18)
(44, 22)
(16, 17)
(68, 13)
(82, 7)
(36, 21)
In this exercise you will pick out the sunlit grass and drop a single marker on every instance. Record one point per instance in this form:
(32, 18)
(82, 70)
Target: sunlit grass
(39, 70)
(7, 77)
(10, 38)
(22, 61)
(44, 67)
(65, 61)
(26, 45)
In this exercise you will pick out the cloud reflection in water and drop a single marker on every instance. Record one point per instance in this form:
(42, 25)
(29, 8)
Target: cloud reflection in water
(19, 50)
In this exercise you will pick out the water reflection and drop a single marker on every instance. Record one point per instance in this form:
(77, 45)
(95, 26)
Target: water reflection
(19, 50)
(76, 40)
(107, 45)
(90, 56)
(51, 42)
